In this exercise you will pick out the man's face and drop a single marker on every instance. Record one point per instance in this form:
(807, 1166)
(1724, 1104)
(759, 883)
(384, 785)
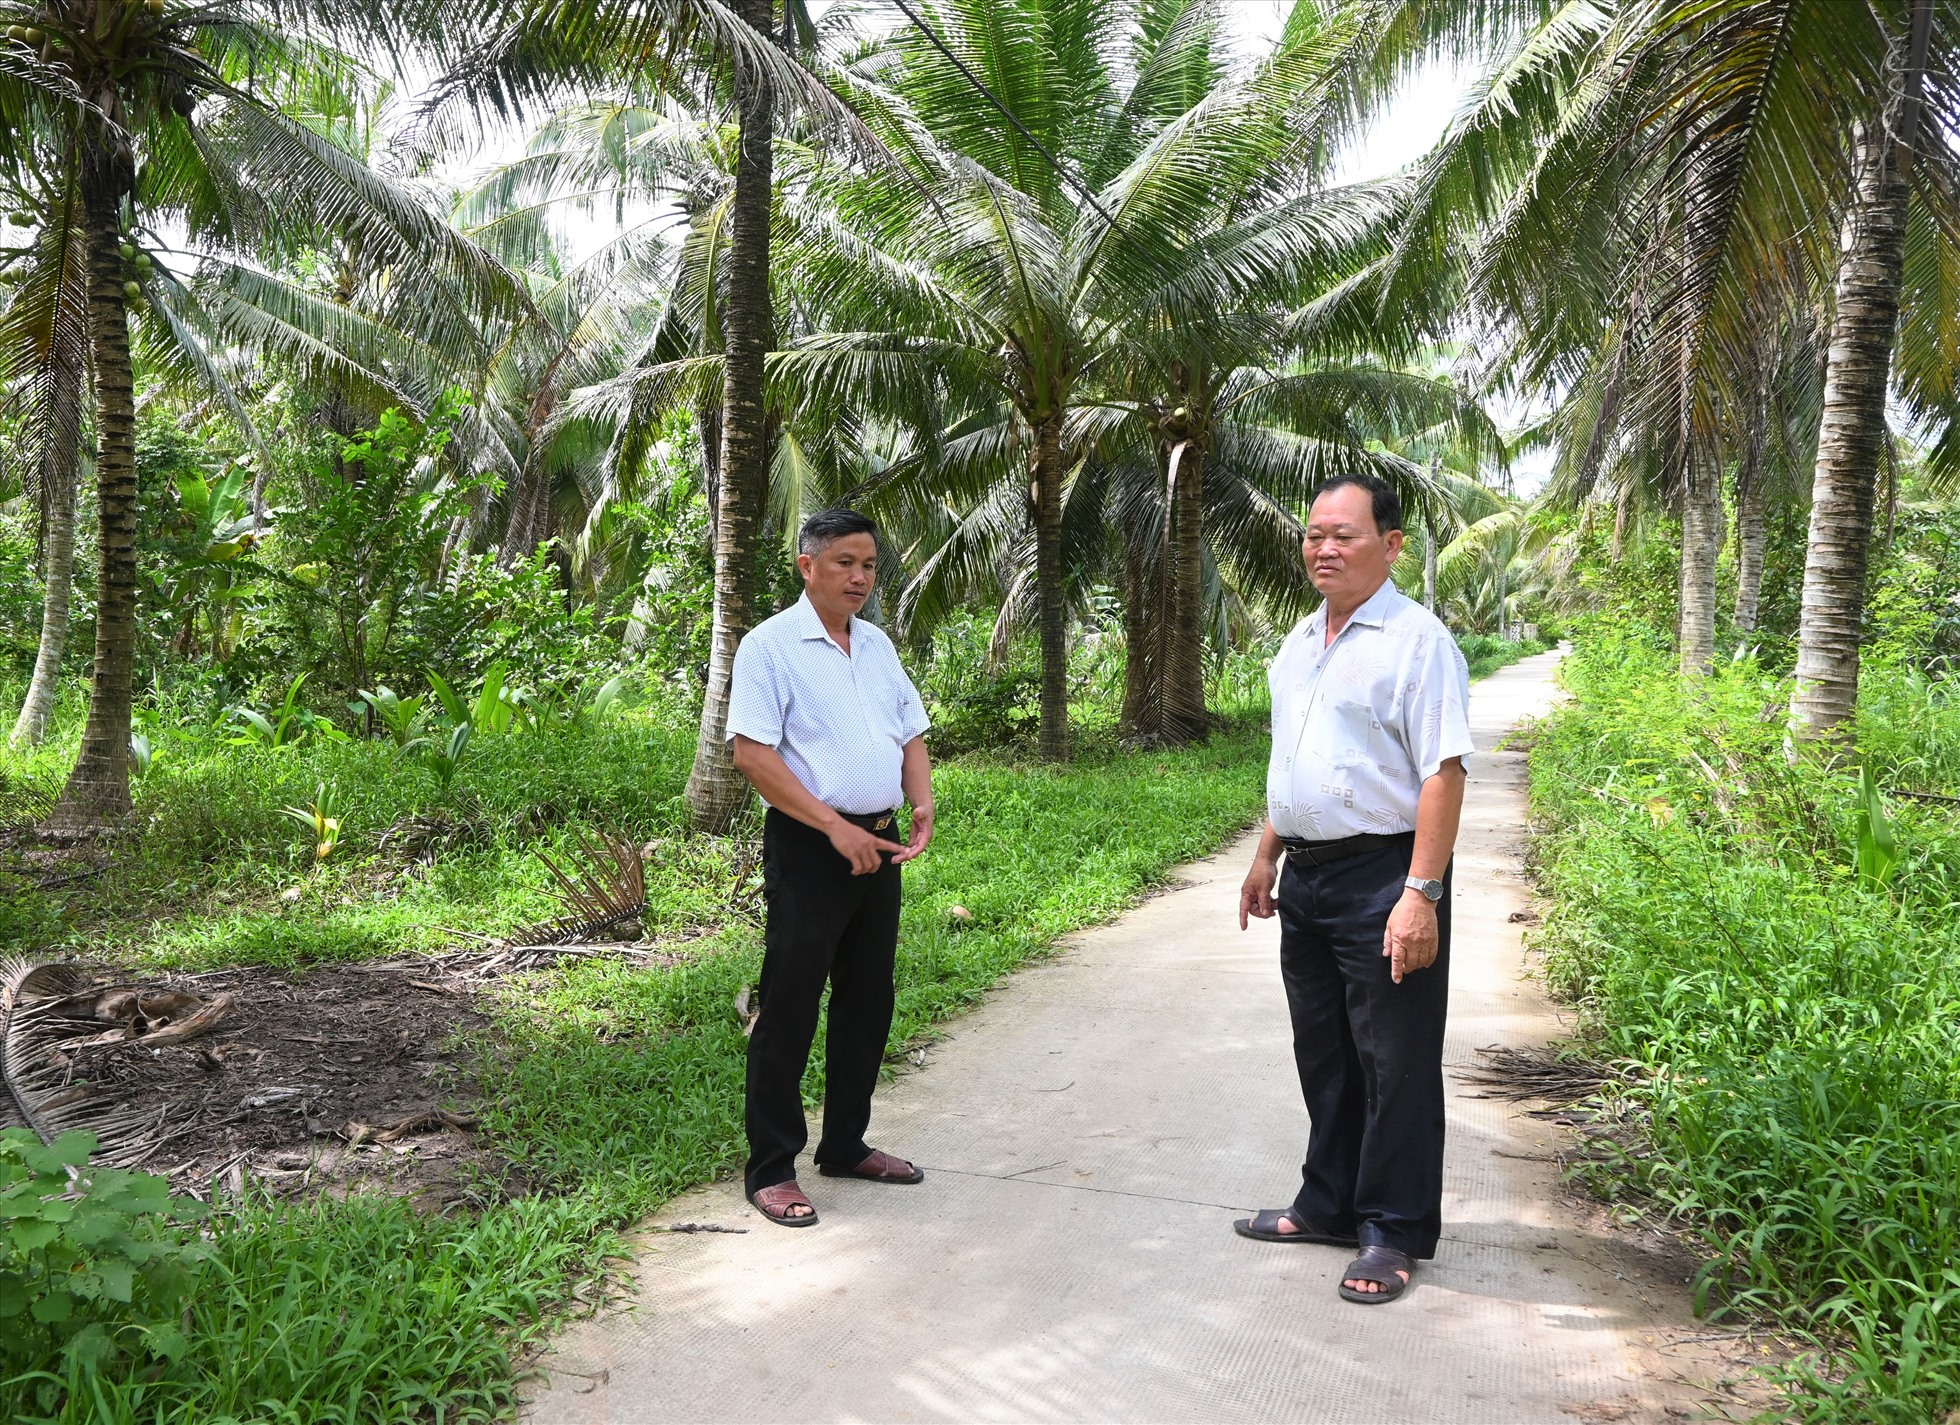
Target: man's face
(839, 577)
(1347, 557)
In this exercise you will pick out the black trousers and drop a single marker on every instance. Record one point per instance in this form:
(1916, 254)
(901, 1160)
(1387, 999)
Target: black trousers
(824, 924)
(1369, 1051)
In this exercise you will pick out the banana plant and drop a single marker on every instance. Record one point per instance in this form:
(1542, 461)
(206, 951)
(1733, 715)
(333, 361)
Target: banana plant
(213, 534)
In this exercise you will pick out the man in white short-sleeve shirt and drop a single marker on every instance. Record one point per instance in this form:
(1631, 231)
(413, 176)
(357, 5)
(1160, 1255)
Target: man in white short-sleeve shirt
(1363, 793)
(830, 731)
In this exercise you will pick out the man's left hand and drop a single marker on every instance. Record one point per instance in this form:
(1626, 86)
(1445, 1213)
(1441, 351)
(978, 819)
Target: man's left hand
(921, 834)
(1411, 938)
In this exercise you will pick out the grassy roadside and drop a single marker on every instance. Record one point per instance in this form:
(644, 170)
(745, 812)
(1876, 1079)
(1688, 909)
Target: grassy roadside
(1486, 654)
(613, 1086)
(616, 1088)
(1774, 964)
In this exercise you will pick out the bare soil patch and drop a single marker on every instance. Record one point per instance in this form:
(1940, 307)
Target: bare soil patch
(316, 1080)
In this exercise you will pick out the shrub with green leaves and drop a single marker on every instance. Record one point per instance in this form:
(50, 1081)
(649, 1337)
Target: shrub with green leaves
(93, 1265)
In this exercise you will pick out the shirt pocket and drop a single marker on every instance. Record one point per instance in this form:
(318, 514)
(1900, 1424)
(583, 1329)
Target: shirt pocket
(1359, 739)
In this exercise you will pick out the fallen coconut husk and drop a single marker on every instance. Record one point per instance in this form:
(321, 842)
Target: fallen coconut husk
(429, 1120)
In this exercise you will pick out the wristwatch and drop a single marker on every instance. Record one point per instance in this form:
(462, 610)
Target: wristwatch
(1431, 890)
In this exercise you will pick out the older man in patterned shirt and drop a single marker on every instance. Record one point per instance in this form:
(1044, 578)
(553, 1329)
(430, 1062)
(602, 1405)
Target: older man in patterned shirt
(1364, 790)
(827, 727)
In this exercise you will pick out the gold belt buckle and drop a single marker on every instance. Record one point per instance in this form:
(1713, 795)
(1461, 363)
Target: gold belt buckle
(882, 823)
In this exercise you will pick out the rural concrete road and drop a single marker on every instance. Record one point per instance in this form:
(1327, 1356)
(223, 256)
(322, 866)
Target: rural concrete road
(1088, 1136)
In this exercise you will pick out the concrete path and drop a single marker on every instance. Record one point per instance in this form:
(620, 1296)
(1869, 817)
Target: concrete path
(1088, 1135)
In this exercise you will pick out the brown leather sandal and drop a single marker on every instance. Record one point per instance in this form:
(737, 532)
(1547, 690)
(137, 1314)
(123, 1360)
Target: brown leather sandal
(1264, 1227)
(880, 1167)
(1387, 1268)
(775, 1203)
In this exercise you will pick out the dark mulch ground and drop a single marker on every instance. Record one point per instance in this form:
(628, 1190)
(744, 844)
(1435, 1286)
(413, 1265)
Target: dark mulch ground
(314, 1082)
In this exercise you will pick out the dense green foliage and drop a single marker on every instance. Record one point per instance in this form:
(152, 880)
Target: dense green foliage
(1771, 952)
(91, 1267)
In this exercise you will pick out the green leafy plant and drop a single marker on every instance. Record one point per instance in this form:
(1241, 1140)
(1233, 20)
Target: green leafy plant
(574, 708)
(92, 1265)
(405, 719)
(446, 755)
(320, 819)
(496, 707)
(286, 726)
(1875, 839)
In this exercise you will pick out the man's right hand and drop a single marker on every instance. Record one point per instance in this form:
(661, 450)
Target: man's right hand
(860, 847)
(1256, 895)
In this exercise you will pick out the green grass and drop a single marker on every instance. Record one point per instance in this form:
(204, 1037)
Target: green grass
(1792, 1034)
(1486, 653)
(613, 1087)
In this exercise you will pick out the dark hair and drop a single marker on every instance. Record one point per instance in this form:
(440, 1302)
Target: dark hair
(826, 526)
(1388, 504)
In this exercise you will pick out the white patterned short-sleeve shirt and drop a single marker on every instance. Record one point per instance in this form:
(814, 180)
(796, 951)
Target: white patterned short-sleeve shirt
(840, 720)
(1359, 727)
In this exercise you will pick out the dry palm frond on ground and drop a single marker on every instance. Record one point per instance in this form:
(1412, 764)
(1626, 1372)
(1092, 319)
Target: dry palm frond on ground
(1548, 1074)
(49, 1013)
(602, 884)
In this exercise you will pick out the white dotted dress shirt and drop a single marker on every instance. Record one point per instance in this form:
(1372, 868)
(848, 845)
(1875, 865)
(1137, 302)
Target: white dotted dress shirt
(1359, 727)
(840, 720)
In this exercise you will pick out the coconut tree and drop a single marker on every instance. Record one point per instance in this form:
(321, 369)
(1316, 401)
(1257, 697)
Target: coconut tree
(1082, 190)
(587, 318)
(44, 366)
(168, 117)
(1787, 138)
(518, 57)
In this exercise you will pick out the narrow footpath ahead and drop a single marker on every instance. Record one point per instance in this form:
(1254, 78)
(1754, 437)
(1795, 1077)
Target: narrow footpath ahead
(1088, 1136)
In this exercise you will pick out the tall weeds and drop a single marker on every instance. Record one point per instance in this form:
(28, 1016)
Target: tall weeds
(1791, 1026)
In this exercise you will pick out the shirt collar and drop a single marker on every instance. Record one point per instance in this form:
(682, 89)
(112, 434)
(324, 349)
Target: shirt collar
(809, 623)
(1373, 612)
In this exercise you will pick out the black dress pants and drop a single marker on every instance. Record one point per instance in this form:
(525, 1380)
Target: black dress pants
(1369, 1051)
(824, 924)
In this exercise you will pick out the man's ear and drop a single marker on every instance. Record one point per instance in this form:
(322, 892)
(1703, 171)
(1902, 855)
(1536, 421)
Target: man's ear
(803, 563)
(1394, 541)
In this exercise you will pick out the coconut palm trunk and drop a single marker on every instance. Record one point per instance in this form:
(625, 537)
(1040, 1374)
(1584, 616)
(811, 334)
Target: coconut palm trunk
(1045, 490)
(1751, 536)
(716, 792)
(97, 793)
(60, 464)
(1142, 695)
(1428, 563)
(1184, 661)
(1702, 530)
(1851, 439)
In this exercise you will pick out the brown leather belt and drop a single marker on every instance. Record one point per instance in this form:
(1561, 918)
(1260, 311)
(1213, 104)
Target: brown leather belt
(1319, 853)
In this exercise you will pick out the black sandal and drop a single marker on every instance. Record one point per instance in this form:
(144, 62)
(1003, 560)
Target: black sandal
(1264, 1227)
(1384, 1267)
